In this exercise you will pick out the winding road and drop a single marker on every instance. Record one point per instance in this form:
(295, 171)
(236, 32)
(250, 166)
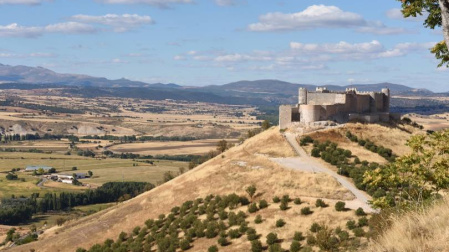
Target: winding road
(309, 164)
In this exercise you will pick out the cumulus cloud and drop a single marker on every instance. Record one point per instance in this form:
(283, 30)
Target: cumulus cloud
(315, 16)
(16, 30)
(26, 2)
(358, 51)
(120, 23)
(320, 16)
(157, 3)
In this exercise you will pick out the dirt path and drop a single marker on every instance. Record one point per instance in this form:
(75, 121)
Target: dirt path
(306, 163)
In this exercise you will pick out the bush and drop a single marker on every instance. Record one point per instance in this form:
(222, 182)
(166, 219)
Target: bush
(297, 201)
(358, 232)
(212, 249)
(280, 223)
(360, 212)
(295, 246)
(343, 235)
(256, 246)
(315, 227)
(285, 198)
(306, 211)
(184, 244)
(311, 240)
(298, 236)
(258, 219)
(283, 206)
(276, 199)
(340, 206)
(315, 152)
(223, 241)
(272, 238)
(251, 234)
(263, 204)
(363, 222)
(275, 248)
(234, 233)
(320, 203)
(351, 224)
(252, 208)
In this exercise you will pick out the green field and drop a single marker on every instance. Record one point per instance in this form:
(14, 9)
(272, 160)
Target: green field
(104, 170)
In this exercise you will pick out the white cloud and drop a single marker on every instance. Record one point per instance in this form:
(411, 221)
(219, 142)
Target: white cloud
(27, 55)
(157, 3)
(16, 30)
(321, 16)
(26, 2)
(397, 15)
(315, 16)
(120, 23)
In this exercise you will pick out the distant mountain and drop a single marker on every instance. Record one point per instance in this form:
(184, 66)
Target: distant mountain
(40, 75)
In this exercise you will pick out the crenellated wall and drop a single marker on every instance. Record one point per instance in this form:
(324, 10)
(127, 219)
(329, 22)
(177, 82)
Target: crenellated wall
(341, 107)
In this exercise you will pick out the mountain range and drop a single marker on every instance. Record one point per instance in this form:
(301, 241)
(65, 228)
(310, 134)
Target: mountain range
(242, 92)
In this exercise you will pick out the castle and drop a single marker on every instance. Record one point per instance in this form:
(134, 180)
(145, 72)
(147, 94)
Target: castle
(341, 107)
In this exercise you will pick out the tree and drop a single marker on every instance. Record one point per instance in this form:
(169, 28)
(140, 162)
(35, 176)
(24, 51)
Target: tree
(251, 190)
(272, 238)
(222, 146)
(90, 173)
(266, 124)
(414, 177)
(438, 16)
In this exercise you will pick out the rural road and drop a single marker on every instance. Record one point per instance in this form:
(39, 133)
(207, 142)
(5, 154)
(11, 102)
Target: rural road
(309, 164)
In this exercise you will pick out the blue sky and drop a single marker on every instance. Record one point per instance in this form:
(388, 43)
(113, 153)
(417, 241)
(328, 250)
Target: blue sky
(202, 42)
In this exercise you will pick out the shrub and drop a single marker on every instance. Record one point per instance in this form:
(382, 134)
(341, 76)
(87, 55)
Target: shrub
(280, 223)
(360, 212)
(256, 246)
(184, 244)
(285, 198)
(363, 222)
(244, 201)
(252, 208)
(276, 199)
(275, 248)
(295, 246)
(340, 206)
(212, 249)
(223, 241)
(234, 233)
(298, 236)
(351, 224)
(358, 232)
(263, 204)
(357, 160)
(343, 235)
(311, 240)
(251, 190)
(306, 211)
(297, 201)
(251, 234)
(283, 206)
(272, 238)
(315, 227)
(320, 203)
(315, 152)
(258, 219)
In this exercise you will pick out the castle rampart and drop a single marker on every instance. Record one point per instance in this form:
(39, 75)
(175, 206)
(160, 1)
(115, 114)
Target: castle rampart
(323, 105)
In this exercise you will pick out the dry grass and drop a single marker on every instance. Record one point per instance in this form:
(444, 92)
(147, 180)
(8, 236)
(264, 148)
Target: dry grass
(231, 172)
(421, 231)
(197, 147)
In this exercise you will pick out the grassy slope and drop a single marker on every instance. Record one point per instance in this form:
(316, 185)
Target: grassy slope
(231, 172)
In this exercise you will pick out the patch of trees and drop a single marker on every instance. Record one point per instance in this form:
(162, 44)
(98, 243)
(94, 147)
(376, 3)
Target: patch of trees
(379, 149)
(16, 210)
(409, 121)
(15, 103)
(142, 138)
(108, 192)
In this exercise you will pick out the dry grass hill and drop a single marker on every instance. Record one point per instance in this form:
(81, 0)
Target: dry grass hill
(232, 172)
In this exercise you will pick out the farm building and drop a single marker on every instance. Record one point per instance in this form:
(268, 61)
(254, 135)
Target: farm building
(37, 167)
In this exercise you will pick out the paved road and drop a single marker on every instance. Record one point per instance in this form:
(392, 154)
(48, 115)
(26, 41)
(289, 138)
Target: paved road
(306, 163)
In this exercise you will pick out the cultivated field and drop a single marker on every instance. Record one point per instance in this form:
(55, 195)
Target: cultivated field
(104, 170)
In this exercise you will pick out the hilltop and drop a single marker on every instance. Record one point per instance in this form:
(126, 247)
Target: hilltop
(251, 163)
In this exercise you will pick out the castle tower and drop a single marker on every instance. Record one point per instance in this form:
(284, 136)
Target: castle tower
(386, 92)
(302, 97)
